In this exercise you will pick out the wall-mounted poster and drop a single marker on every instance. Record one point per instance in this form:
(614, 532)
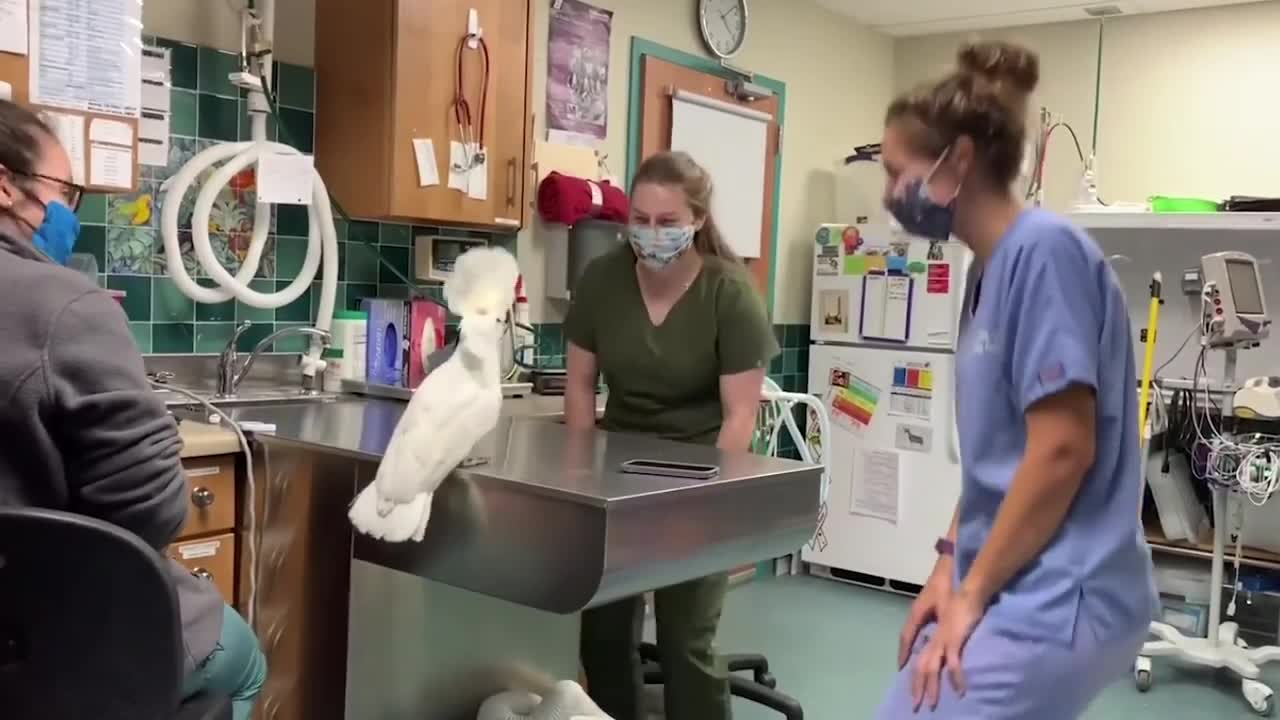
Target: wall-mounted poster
(578, 73)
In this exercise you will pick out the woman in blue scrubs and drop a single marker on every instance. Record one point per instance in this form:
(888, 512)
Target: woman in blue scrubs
(1043, 589)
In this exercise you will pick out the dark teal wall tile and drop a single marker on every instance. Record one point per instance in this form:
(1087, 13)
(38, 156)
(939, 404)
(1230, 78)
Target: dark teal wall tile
(213, 337)
(297, 311)
(218, 118)
(292, 220)
(215, 70)
(137, 301)
(393, 234)
(290, 253)
(253, 335)
(359, 291)
(93, 209)
(173, 337)
(169, 304)
(362, 263)
(299, 128)
(141, 335)
(93, 240)
(184, 64)
(364, 232)
(397, 258)
(183, 117)
(296, 86)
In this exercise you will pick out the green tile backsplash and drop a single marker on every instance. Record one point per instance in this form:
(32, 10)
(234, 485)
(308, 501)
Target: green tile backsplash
(123, 231)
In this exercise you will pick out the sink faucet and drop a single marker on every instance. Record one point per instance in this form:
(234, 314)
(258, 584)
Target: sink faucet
(229, 378)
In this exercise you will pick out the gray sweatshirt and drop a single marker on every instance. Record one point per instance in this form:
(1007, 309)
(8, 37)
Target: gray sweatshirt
(82, 430)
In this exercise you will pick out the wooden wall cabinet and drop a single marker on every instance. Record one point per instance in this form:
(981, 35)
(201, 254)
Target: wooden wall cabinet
(386, 72)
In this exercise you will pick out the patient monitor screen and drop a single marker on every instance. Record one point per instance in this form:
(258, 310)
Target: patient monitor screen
(1245, 292)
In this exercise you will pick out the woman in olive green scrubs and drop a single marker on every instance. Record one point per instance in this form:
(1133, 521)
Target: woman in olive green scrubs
(675, 324)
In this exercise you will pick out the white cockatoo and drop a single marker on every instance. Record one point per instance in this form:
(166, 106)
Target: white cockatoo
(456, 406)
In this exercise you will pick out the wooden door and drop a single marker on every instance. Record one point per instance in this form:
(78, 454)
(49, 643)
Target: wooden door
(425, 75)
(661, 80)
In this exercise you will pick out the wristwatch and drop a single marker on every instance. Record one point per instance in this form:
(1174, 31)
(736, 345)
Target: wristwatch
(945, 547)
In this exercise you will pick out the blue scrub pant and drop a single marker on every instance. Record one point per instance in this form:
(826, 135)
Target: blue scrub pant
(1016, 678)
(236, 667)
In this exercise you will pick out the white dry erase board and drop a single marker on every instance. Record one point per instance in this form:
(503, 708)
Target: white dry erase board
(732, 143)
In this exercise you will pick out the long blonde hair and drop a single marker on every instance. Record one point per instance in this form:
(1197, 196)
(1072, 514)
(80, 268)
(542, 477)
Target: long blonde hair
(679, 170)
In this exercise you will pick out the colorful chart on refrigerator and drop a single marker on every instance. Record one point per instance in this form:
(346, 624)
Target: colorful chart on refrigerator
(853, 400)
(912, 392)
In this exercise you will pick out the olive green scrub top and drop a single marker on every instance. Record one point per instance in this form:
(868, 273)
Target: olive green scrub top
(665, 380)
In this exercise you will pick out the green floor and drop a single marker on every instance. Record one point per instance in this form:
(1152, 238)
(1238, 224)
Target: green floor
(832, 646)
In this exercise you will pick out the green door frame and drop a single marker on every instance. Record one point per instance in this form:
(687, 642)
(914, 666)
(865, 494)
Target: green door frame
(640, 49)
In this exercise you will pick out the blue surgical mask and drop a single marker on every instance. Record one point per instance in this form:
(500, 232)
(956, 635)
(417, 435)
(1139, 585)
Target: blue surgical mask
(917, 211)
(659, 247)
(56, 237)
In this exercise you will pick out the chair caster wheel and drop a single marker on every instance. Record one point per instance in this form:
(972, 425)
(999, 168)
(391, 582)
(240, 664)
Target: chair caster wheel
(1142, 674)
(1259, 696)
(1142, 680)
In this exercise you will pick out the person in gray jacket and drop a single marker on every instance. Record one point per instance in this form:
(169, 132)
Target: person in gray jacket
(82, 430)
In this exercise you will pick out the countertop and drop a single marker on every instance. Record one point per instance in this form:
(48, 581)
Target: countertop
(549, 520)
(201, 439)
(544, 457)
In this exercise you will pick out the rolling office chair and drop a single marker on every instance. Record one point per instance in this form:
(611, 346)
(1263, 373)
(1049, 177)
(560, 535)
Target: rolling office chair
(89, 624)
(777, 412)
(761, 689)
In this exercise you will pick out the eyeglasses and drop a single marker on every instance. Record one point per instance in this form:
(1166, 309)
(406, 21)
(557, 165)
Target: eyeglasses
(71, 192)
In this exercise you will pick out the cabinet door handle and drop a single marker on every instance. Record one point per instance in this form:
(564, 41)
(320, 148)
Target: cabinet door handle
(202, 574)
(202, 497)
(512, 178)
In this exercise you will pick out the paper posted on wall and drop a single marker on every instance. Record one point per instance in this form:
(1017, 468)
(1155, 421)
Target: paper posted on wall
(876, 485)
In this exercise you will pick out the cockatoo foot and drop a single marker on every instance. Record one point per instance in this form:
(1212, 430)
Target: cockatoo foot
(473, 460)
(385, 507)
(404, 521)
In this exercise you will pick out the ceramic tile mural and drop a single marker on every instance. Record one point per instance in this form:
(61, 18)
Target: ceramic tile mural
(123, 231)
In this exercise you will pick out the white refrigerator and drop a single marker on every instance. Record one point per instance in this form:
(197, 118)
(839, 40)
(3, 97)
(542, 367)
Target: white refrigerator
(884, 325)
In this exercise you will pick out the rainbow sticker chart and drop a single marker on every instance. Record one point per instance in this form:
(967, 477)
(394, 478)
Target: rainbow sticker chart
(854, 406)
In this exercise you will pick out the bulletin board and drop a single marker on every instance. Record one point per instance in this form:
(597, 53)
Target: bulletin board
(103, 144)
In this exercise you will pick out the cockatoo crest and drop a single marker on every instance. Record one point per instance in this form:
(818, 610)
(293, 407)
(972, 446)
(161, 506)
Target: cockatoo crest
(483, 283)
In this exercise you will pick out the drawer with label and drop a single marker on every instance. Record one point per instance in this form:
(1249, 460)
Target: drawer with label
(212, 559)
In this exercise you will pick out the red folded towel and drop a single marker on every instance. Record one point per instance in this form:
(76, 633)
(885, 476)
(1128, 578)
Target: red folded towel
(566, 199)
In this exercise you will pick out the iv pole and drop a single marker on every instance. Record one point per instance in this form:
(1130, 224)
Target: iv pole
(1222, 648)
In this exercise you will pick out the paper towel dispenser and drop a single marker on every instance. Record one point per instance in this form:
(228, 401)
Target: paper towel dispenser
(570, 250)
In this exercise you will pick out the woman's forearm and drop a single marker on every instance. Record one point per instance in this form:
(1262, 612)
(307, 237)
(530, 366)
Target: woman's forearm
(736, 432)
(580, 406)
(1043, 488)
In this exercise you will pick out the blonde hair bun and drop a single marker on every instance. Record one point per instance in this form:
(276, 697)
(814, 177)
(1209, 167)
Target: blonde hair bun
(1012, 68)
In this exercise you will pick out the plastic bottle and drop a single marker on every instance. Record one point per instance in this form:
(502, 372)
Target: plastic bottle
(351, 335)
(335, 369)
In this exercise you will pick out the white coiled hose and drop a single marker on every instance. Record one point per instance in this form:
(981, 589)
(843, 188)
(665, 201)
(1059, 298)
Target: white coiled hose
(322, 248)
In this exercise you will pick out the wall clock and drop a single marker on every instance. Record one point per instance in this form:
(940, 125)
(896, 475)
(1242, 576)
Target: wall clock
(724, 25)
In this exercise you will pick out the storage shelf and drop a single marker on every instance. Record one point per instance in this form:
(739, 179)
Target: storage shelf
(1253, 557)
(1176, 221)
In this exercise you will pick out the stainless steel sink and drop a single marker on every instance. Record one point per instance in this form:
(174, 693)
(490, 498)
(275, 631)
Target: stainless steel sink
(249, 395)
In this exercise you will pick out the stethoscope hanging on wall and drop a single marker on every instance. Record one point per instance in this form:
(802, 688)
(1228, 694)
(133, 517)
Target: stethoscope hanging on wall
(471, 135)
